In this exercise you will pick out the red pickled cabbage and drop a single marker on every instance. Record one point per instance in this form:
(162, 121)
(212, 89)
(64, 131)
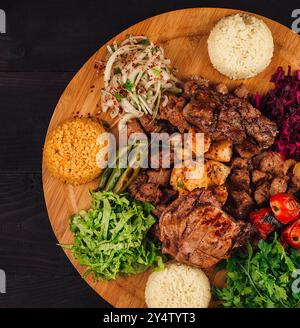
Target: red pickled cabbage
(282, 105)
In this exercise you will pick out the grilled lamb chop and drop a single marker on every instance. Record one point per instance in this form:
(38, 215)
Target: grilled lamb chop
(196, 231)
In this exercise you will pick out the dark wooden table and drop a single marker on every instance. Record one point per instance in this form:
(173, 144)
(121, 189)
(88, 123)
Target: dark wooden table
(45, 44)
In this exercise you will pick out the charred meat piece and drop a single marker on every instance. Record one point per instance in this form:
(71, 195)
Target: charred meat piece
(229, 126)
(219, 115)
(294, 185)
(240, 180)
(160, 176)
(149, 192)
(247, 149)
(278, 186)
(191, 87)
(271, 162)
(133, 126)
(241, 91)
(243, 204)
(262, 193)
(239, 163)
(222, 88)
(262, 130)
(172, 112)
(158, 210)
(196, 232)
(168, 195)
(221, 194)
(248, 112)
(161, 159)
(259, 177)
(150, 125)
(135, 185)
(201, 116)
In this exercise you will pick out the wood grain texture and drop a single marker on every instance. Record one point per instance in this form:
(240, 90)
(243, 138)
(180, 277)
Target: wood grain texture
(183, 34)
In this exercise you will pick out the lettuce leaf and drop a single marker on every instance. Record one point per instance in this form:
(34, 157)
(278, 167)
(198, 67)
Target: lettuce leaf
(111, 238)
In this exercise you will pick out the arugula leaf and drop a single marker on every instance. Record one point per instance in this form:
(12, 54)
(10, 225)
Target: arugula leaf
(261, 278)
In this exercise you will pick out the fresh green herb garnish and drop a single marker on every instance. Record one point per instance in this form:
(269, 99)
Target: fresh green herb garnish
(118, 96)
(180, 184)
(117, 70)
(111, 239)
(128, 85)
(112, 48)
(145, 42)
(261, 278)
(156, 72)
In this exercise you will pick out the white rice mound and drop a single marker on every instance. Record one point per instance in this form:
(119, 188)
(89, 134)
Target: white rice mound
(240, 46)
(178, 286)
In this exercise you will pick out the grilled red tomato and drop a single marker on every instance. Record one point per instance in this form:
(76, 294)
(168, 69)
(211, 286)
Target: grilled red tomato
(285, 207)
(263, 221)
(291, 234)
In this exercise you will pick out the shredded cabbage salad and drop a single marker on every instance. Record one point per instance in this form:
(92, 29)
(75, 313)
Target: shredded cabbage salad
(135, 77)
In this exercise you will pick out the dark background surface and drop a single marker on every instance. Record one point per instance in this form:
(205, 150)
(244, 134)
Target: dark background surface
(45, 44)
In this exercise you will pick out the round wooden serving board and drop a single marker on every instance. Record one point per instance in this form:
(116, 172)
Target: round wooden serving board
(183, 34)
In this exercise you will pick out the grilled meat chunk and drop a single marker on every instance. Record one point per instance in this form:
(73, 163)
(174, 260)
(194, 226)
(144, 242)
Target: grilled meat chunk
(160, 176)
(133, 126)
(194, 230)
(262, 130)
(239, 163)
(200, 115)
(219, 114)
(148, 192)
(229, 126)
(262, 193)
(259, 177)
(243, 204)
(240, 180)
(134, 187)
(271, 162)
(172, 112)
(241, 91)
(192, 86)
(222, 88)
(247, 149)
(278, 186)
(150, 125)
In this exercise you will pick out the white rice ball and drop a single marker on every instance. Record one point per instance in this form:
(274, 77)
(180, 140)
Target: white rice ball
(178, 285)
(240, 46)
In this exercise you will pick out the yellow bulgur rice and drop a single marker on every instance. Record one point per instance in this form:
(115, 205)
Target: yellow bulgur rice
(70, 151)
